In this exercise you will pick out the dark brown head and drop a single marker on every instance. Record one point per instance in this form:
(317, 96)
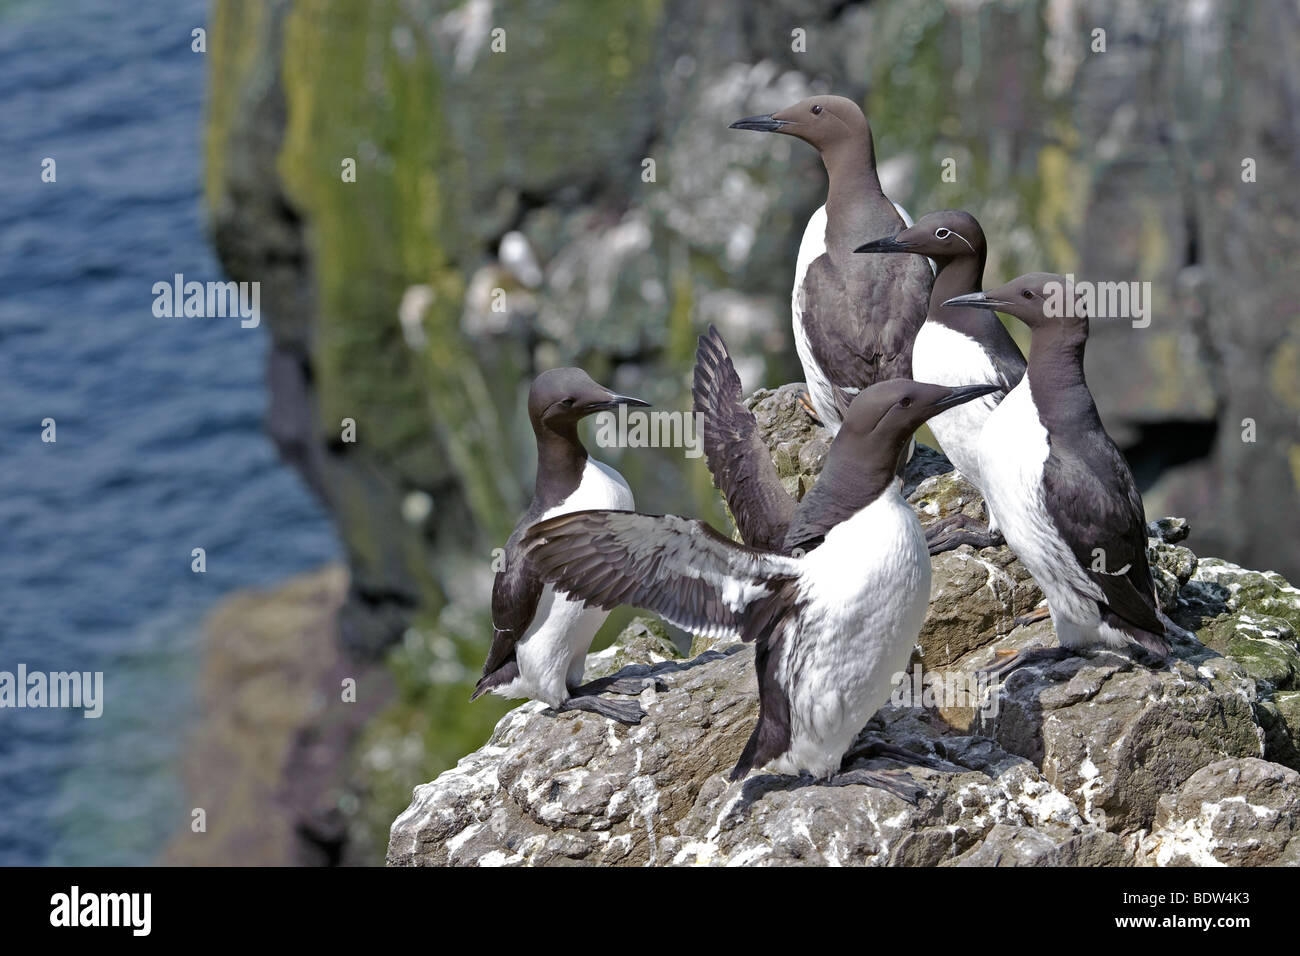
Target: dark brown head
(865, 456)
(883, 417)
(823, 121)
(939, 235)
(1041, 300)
(562, 397)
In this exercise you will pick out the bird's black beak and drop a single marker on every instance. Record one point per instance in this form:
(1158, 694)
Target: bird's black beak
(616, 400)
(888, 244)
(964, 393)
(976, 300)
(765, 123)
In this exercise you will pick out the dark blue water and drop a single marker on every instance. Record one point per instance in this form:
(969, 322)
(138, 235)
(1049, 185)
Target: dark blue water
(159, 449)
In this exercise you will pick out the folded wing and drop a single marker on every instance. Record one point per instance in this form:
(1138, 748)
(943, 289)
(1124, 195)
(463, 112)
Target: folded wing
(1099, 513)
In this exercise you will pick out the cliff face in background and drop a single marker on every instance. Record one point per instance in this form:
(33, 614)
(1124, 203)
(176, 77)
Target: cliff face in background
(378, 294)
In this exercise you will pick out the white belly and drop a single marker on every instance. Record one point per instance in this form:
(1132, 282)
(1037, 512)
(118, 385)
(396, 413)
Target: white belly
(943, 356)
(811, 246)
(1014, 447)
(867, 588)
(553, 651)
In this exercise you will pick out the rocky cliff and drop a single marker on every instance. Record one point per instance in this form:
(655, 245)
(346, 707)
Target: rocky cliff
(1104, 759)
(503, 219)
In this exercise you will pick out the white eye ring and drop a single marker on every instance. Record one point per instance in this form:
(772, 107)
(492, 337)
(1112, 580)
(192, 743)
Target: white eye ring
(943, 232)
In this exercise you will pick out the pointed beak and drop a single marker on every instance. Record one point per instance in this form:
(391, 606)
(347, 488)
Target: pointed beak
(616, 400)
(764, 123)
(888, 244)
(964, 393)
(976, 300)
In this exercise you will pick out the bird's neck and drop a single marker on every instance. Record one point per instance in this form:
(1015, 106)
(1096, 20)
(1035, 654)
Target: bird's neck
(958, 275)
(1055, 374)
(846, 485)
(851, 171)
(561, 460)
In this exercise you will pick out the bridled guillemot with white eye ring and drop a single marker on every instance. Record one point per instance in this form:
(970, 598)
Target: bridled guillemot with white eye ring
(958, 345)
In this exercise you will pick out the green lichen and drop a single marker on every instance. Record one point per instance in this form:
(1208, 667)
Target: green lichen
(1271, 660)
(1280, 719)
(1258, 593)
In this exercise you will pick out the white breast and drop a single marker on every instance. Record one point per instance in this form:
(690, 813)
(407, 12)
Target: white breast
(1013, 450)
(552, 653)
(600, 487)
(819, 385)
(866, 587)
(944, 356)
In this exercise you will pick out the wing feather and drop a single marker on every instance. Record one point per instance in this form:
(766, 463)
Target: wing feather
(738, 458)
(1095, 504)
(680, 568)
(516, 591)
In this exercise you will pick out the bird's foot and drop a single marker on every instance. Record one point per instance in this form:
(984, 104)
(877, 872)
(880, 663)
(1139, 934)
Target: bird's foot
(624, 711)
(1014, 660)
(898, 782)
(956, 530)
(1033, 617)
(805, 402)
(628, 686)
(879, 748)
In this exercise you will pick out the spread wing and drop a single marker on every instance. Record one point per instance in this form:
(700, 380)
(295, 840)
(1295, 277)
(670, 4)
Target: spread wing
(681, 569)
(738, 459)
(1096, 506)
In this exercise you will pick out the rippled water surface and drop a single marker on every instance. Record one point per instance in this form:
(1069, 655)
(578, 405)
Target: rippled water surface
(160, 448)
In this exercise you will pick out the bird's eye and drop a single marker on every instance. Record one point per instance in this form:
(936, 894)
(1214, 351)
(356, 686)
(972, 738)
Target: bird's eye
(942, 233)
(816, 110)
(905, 403)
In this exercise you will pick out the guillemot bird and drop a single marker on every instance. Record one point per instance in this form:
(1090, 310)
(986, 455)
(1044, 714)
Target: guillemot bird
(958, 345)
(1062, 492)
(540, 639)
(855, 317)
(741, 465)
(832, 627)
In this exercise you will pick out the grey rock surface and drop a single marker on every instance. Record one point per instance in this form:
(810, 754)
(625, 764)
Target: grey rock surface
(1234, 812)
(1108, 758)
